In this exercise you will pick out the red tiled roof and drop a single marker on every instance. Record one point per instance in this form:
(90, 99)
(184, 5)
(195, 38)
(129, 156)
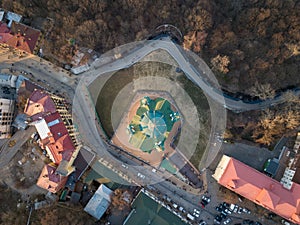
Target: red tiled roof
(23, 37)
(39, 102)
(60, 143)
(50, 180)
(5, 34)
(4, 28)
(259, 188)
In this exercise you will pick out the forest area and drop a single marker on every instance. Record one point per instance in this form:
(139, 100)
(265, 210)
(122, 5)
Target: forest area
(253, 46)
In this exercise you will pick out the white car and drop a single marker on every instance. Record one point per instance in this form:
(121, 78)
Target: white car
(124, 166)
(196, 214)
(227, 221)
(141, 175)
(196, 211)
(245, 210)
(227, 211)
(235, 208)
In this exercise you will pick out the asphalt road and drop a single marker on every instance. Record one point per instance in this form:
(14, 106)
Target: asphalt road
(197, 76)
(84, 113)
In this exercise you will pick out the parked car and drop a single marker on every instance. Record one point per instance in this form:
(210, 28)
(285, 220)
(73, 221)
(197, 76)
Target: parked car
(235, 208)
(207, 199)
(245, 210)
(227, 221)
(218, 209)
(189, 216)
(141, 175)
(246, 221)
(196, 211)
(217, 219)
(227, 211)
(240, 210)
(204, 202)
(285, 222)
(225, 204)
(202, 222)
(223, 215)
(196, 214)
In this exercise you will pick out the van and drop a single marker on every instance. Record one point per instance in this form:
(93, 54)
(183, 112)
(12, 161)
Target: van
(189, 216)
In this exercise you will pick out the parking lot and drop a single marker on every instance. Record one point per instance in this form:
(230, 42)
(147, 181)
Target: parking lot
(235, 211)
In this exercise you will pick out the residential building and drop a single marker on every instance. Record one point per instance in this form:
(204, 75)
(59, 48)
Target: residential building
(12, 17)
(259, 188)
(55, 138)
(7, 107)
(8, 95)
(99, 203)
(54, 125)
(50, 179)
(19, 36)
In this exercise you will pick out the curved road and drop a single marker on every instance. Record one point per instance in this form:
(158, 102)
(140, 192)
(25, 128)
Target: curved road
(191, 72)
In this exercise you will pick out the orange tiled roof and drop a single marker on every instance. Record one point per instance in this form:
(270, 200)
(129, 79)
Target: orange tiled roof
(259, 188)
(40, 105)
(51, 181)
(59, 142)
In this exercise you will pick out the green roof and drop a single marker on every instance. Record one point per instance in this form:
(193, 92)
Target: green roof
(168, 166)
(101, 171)
(152, 123)
(147, 210)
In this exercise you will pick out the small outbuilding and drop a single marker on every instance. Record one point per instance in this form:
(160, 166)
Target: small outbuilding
(100, 202)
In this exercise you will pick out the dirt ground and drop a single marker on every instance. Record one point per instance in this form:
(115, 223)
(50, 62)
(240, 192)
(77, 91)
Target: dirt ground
(24, 169)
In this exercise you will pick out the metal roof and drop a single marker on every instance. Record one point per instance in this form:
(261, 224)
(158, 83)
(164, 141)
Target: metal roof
(99, 203)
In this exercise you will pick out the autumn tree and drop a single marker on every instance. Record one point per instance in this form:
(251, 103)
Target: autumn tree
(120, 199)
(262, 91)
(220, 63)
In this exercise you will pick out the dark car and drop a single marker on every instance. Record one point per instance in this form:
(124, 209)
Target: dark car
(218, 218)
(204, 202)
(223, 215)
(257, 223)
(225, 204)
(247, 221)
(219, 209)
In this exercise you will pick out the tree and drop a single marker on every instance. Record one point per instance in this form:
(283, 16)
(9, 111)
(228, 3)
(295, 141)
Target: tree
(120, 199)
(220, 63)
(262, 91)
(194, 40)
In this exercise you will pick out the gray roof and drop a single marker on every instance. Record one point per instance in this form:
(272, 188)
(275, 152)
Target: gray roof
(99, 202)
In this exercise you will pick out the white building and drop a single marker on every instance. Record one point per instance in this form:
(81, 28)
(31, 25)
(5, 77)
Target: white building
(10, 16)
(9, 84)
(6, 116)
